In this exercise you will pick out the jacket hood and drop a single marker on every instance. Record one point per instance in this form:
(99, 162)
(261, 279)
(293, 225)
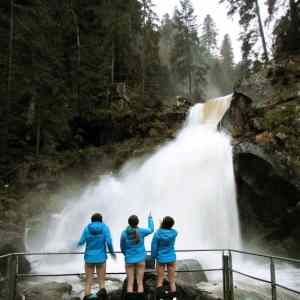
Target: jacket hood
(166, 234)
(130, 229)
(95, 228)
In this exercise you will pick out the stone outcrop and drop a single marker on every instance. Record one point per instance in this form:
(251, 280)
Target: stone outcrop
(264, 121)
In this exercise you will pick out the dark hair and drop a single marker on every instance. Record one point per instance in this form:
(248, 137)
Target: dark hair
(133, 221)
(167, 223)
(132, 231)
(96, 217)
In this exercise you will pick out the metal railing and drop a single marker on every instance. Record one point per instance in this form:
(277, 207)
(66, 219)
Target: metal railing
(13, 275)
(272, 259)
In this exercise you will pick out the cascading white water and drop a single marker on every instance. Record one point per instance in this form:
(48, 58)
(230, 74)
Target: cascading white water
(190, 178)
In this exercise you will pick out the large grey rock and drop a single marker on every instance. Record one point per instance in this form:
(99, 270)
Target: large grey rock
(186, 283)
(184, 291)
(47, 291)
(190, 278)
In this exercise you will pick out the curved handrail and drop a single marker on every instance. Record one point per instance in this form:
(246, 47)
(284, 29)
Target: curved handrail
(292, 260)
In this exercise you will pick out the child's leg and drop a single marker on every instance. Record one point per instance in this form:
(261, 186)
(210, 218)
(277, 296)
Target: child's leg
(140, 269)
(160, 269)
(89, 270)
(101, 273)
(130, 278)
(172, 276)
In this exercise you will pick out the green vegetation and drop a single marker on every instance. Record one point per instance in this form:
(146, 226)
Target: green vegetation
(77, 74)
(286, 33)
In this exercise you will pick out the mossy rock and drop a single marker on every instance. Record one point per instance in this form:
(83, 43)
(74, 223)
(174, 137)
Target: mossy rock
(296, 165)
(282, 114)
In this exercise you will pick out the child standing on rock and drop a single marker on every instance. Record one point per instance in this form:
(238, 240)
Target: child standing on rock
(97, 238)
(163, 251)
(133, 247)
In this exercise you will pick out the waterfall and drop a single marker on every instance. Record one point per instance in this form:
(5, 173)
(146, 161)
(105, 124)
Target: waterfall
(190, 178)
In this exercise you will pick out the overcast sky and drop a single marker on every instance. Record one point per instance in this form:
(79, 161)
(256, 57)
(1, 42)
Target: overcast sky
(216, 10)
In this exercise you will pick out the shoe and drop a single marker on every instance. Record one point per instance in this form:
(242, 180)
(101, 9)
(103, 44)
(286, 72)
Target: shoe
(140, 296)
(89, 297)
(160, 293)
(172, 295)
(131, 296)
(102, 294)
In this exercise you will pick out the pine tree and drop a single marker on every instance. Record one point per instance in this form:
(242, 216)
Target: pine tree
(123, 23)
(209, 35)
(227, 64)
(227, 54)
(5, 112)
(150, 56)
(185, 53)
(41, 112)
(167, 32)
(287, 31)
(249, 11)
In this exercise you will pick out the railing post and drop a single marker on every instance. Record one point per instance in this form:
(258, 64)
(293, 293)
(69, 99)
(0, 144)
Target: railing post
(225, 277)
(12, 277)
(273, 279)
(230, 276)
(228, 291)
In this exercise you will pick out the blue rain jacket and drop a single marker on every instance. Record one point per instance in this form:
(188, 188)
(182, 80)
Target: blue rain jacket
(135, 252)
(162, 245)
(97, 238)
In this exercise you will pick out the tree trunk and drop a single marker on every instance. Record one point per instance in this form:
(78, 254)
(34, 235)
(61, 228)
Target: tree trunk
(113, 62)
(78, 56)
(78, 64)
(144, 52)
(294, 27)
(143, 71)
(190, 84)
(38, 128)
(261, 31)
(10, 62)
(78, 46)
(7, 105)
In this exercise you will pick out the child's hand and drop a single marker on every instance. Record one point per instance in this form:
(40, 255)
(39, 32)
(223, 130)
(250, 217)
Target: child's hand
(74, 245)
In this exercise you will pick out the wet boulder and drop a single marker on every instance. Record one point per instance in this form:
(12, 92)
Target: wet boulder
(186, 284)
(190, 278)
(46, 291)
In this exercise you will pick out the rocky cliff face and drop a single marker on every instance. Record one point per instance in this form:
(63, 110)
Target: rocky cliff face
(264, 120)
